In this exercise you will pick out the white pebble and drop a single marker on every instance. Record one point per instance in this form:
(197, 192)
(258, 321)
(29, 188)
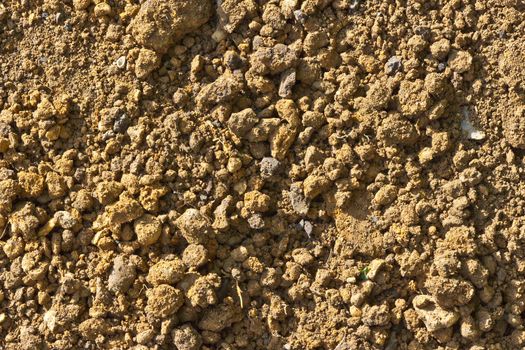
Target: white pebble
(307, 227)
(299, 15)
(121, 62)
(469, 129)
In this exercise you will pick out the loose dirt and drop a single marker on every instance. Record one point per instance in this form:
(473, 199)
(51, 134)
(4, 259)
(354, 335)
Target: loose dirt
(262, 174)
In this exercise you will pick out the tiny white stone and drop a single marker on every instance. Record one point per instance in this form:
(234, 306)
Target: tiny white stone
(299, 15)
(50, 319)
(308, 228)
(468, 128)
(354, 5)
(121, 62)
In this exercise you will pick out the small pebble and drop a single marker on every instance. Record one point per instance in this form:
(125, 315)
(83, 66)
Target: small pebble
(121, 124)
(471, 132)
(468, 128)
(269, 167)
(393, 65)
(121, 62)
(354, 5)
(288, 79)
(299, 16)
(122, 275)
(307, 227)
(299, 203)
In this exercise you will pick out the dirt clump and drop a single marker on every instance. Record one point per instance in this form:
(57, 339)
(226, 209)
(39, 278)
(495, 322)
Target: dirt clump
(434, 317)
(166, 272)
(158, 24)
(148, 229)
(164, 300)
(186, 338)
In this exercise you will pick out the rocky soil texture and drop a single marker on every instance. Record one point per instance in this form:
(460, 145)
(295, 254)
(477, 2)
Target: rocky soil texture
(262, 174)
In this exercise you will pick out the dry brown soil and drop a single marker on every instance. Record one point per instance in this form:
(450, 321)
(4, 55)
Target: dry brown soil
(262, 174)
